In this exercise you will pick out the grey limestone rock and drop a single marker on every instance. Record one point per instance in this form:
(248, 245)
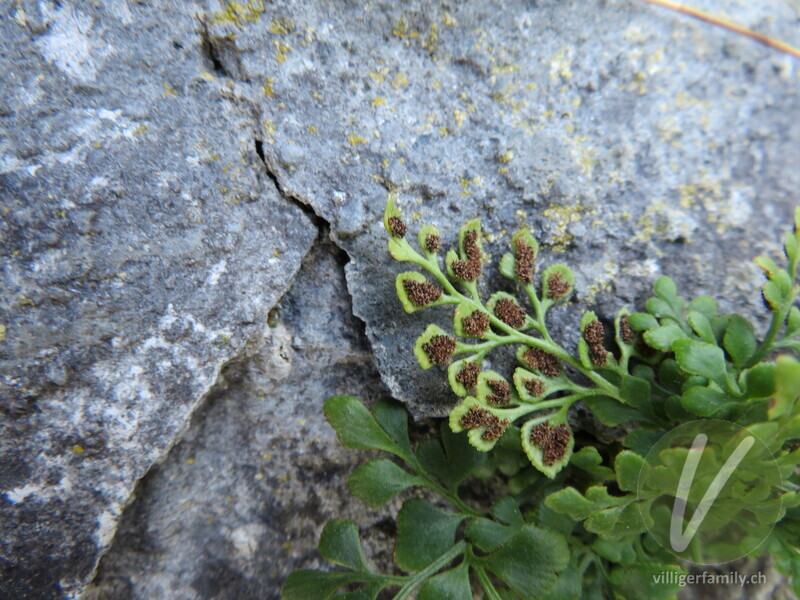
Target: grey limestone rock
(241, 501)
(632, 141)
(144, 241)
(143, 247)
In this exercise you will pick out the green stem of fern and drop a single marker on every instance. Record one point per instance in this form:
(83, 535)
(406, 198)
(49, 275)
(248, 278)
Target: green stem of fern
(513, 335)
(416, 580)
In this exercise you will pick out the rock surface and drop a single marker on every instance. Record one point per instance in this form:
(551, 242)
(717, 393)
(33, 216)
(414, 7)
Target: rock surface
(241, 501)
(633, 142)
(142, 249)
(144, 240)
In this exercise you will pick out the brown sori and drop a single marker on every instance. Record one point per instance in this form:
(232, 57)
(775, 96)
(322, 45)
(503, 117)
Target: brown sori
(539, 360)
(468, 375)
(557, 286)
(501, 392)
(626, 334)
(471, 248)
(495, 428)
(476, 324)
(421, 293)
(525, 261)
(599, 355)
(510, 313)
(553, 441)
(480, 417)
(433, 242)
(397, 227)
(439, 349)
(467, 270)
(534, 386)
(474, 417)
(594, 335)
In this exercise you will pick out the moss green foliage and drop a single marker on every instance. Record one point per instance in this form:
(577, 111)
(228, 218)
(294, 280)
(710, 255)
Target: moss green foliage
(571, 519)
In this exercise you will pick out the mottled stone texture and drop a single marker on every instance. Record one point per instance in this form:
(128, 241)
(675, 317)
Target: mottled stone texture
(144, 241)
(241, 501)
(633, 142)
(142, 249)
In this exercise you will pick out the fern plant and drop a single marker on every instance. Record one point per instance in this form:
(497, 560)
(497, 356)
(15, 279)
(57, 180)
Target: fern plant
(592, 522)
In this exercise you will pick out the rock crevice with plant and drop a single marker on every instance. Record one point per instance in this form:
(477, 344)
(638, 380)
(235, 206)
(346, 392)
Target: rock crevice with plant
(575, 518)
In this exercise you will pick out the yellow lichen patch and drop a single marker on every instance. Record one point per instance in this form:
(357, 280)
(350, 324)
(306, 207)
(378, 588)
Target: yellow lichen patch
(448, 19)
(78, 449)
(378, 101)
(664, 221)
(466, 185)
(616, 177)
(686, 101)
(601, 283)
(723, 207)
(3, 333)
(206, 75)
(560, 65)
(269, 129)
(400, 30)
(585, 156)
(169, 91)
(20, 17)
(654, 59)
(587, 161)
(240, 13)
(282, 52)
(267, 89)
(443, 131)
(503, 69)
(669, 128)
(399, 81)
(506, 158)
(687, 194)
(282, 26)
(355, 139)
(429, 42)
(378, 76)
(142, 128)
(222, 339)
(707, 192)
(636, 85)
(460, 116)
(312, 129)
(562, 217)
